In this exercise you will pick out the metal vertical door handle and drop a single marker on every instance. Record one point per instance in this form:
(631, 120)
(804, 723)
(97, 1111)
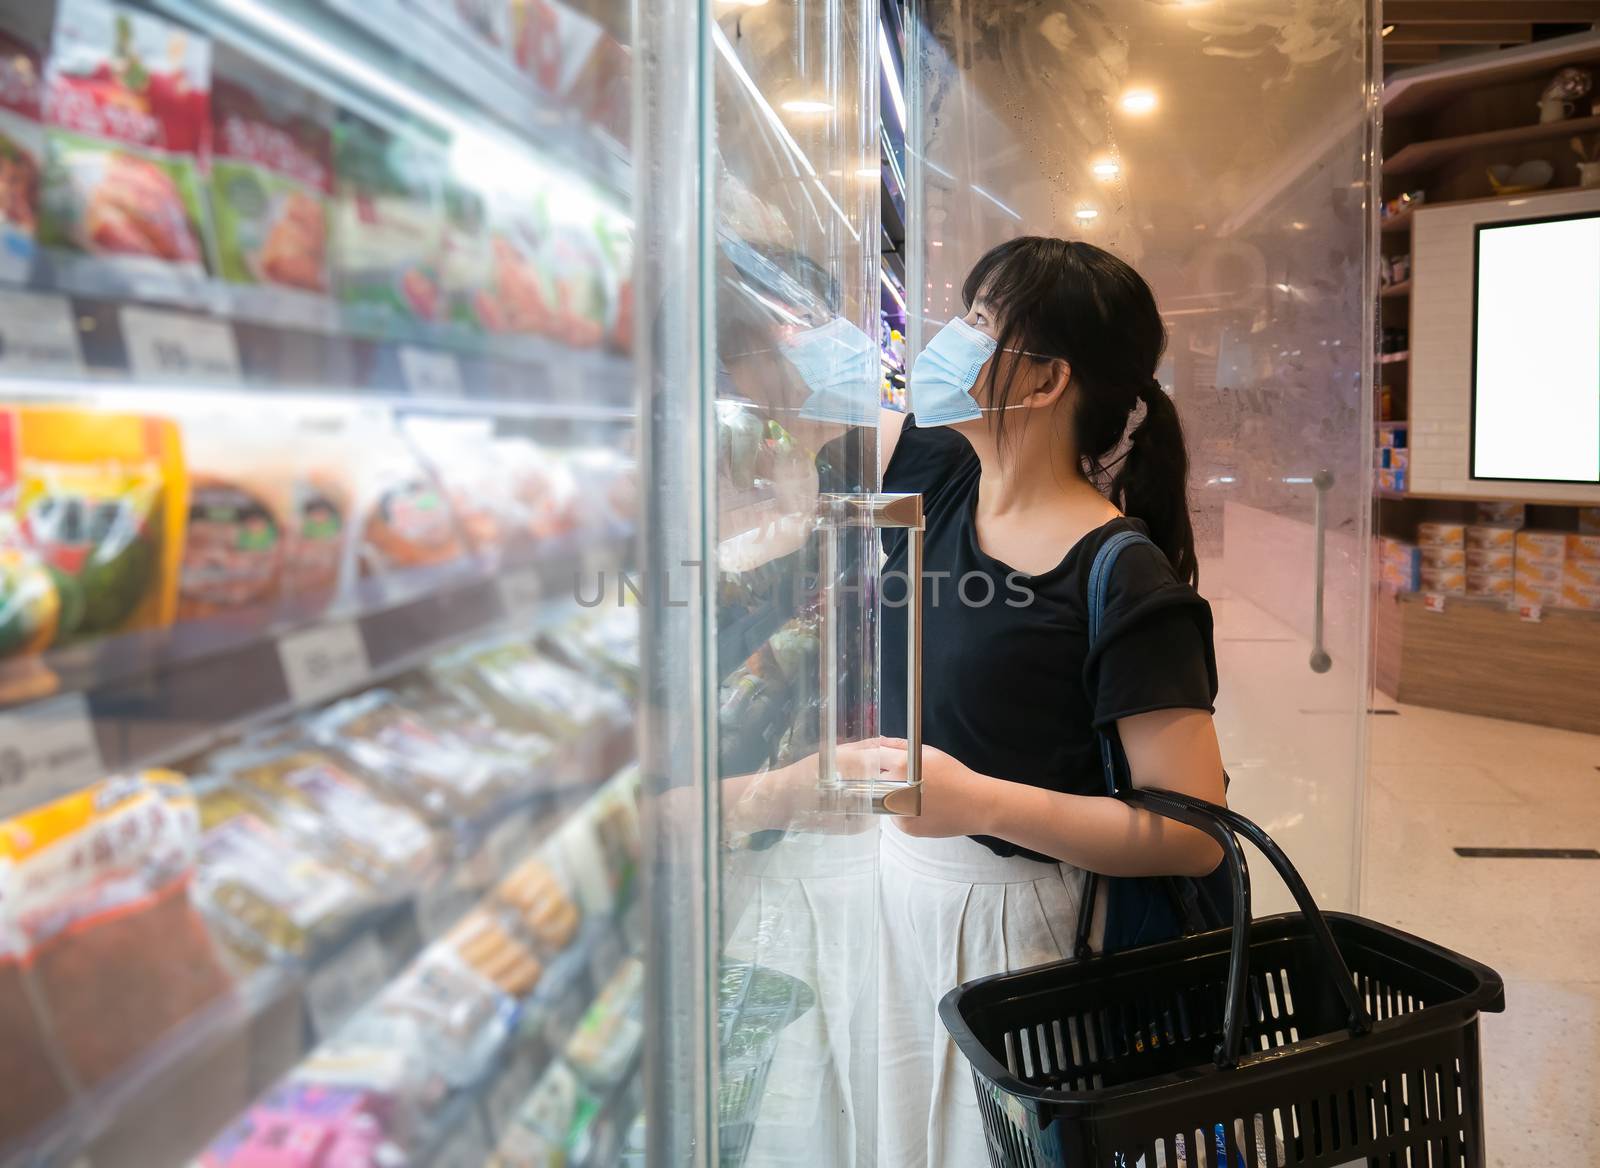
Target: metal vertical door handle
(877, 512)
(1323, 481)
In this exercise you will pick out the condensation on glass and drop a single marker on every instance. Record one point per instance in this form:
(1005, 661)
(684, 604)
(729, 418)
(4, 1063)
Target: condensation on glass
(1223, 149)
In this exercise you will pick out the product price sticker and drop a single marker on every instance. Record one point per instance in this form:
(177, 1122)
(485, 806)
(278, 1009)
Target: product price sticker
(1433, 601)
(47, 749)
(521, 593)
(1532, 613)
(346, 983)
(39, 335)
(176, 346)
(323, 661)
(430, 374)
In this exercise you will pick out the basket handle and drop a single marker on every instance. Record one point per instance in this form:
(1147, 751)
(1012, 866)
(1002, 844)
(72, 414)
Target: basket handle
(1224, 825)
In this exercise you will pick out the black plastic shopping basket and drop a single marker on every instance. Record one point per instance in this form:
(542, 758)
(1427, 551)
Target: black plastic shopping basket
(1301, 1039)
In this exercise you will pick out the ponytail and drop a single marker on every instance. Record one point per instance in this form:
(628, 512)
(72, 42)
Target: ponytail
(1152, 481)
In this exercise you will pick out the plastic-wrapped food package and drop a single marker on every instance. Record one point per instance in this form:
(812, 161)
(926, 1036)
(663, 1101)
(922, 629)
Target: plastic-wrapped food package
(575, 271)
(321, 496)
(304, 791)
(302, 1124)
(542, 907)
(463, 458)
(98, 892)
(33, 1088)
(550, 43)
(607, 489)
(267, 895)
(527, 689)
(434, 771)
(542, 484)
(552, 1122)
(408, 532)
(21, 155)
(605, 644)
(237, 535)
(523, 757)
(388, 226)
(127, 106)
(101, 499)
(272, 178)
(608, 1036)
(467, 264)
(460, 1018)
(483, 941)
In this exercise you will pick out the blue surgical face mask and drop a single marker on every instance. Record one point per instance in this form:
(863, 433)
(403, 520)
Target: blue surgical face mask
(842, 367)
(944, 373)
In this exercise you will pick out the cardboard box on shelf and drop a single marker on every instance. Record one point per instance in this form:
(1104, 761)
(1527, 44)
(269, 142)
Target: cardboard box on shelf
(1540, 547)
(1526, 592)
(1449, 581)
(1444, 557)
(1392, 434)
(1513, 515)
(1499, 560)
(1582, 546)
(1490, 585)
(1400, 578)
(1441, 534)
(1392, 480)
(1486, 535)
(1581, 574)
(1586, 599)
(1539, 575)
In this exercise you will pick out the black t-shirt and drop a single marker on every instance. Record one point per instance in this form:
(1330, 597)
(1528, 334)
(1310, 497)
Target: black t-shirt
(1009, 686)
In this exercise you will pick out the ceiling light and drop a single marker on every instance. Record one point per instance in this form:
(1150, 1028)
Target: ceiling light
(1387, 29)
(1085, 214)
(870, 172)
(935, 243)
(1106, 168)
(1139, 101)
(806, 106)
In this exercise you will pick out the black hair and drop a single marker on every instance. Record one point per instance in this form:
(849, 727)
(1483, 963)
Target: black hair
(1058, 298)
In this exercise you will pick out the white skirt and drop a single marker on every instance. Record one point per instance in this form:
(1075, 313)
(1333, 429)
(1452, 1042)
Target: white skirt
(950, 911)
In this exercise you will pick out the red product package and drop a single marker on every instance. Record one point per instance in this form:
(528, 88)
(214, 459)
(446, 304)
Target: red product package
(21, 155)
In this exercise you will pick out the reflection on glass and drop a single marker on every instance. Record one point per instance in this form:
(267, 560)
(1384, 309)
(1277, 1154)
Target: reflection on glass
(1223, 150)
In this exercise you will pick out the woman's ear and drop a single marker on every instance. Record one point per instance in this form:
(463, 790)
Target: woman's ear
(1055, 378)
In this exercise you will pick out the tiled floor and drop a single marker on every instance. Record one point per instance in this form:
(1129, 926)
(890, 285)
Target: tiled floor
(1439, 781)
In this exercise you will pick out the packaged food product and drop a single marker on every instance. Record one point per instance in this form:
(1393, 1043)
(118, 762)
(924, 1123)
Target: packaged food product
(1448, 581)
(543, 485)
(529, 690)
(1581, 573)
(1495, 585)
(307, 1124)
(1580, 546)
(34, 1091)
(467, 264)
(1512, 515)
(550, 42)
(610, 1032)
(321, 496)
(101, 499)
(605, 644)
(128, 116)
(1441, 534)
(1489, 536)
(388, 226)
(268, 896)
(1450, 556)
(306, 792)
(1491, 559)
(1525, 591)
(272, 178)
(29, 603)
(1540, 547)
(462, 456)
(542, 906)
(518, 303)
(575, 271)
(21, 155)
(1585, 597)
(407, 528)
(483, 942)
(616, 242)
(97, 890)
(432, 770)
(523, 756)
(1539, 574)
(462, 1018)
(551, 1123)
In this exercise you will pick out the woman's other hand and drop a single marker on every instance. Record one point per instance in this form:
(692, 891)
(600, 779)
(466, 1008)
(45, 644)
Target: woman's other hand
(956, 800)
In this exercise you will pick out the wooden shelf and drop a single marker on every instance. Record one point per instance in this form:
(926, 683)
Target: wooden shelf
(1393, 290)
(1394, 358)
(1400, 222)
(1418, 90)
(1424, 156)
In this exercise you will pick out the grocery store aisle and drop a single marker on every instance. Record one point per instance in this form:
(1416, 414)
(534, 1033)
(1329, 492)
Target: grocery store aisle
(1441, 781)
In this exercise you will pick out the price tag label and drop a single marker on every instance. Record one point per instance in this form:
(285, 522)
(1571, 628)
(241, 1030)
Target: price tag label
(47, 749)
(521, 593)
(342, 986)
(175, 346)
(1433, 601)
(430, 374)
(38, 334)
(323, 661)
(1532, 613)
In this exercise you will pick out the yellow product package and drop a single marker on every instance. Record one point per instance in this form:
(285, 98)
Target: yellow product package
(101, 499)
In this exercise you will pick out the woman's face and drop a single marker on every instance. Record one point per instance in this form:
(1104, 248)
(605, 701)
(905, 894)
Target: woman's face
(1003, 365)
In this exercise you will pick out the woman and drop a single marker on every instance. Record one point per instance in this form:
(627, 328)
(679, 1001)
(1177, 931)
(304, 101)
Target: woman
(1039, 431)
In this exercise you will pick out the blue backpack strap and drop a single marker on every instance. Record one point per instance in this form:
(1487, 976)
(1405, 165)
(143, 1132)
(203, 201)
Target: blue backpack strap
(1099, 584)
